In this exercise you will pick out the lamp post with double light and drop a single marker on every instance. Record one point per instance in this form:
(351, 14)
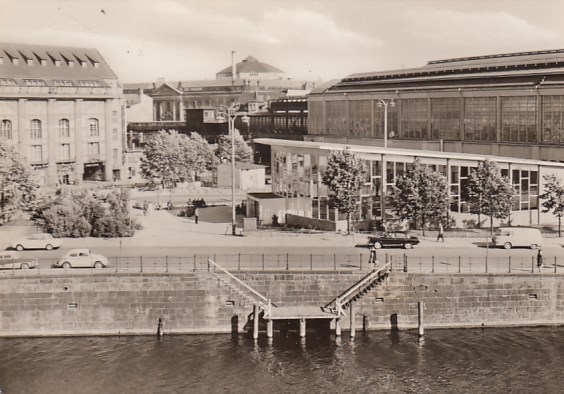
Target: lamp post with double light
(231, 113)
(384, 103)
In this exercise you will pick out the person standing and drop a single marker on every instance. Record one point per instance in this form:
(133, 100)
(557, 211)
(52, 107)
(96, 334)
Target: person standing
(540, 259)
(196, 214)
(441, 234)
(145, 207)
(373, 258)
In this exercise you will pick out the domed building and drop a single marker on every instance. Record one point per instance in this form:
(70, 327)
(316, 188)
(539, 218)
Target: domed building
(251, 69)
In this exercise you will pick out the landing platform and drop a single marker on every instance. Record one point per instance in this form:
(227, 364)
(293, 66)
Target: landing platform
(302, 312)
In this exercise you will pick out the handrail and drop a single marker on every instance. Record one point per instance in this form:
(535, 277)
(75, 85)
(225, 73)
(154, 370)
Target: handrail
(340, 300)
(266, 300)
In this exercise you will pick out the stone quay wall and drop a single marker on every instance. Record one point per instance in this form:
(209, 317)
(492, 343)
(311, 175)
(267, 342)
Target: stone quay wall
(100, 303)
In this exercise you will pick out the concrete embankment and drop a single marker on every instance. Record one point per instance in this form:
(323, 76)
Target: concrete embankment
(101, 303)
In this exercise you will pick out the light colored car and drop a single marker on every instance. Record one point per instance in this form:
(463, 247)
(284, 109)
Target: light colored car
(510, 237)
(37, 241)
(82, 258)
(11, 260)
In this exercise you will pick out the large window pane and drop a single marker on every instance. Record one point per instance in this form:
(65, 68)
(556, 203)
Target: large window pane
(445, 118)
(480, 118)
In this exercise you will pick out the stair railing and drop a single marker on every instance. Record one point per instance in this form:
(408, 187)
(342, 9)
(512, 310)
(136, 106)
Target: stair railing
(342, 300)
(266, 304)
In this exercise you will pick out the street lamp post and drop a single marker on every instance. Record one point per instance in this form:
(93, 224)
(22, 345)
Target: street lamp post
(230, 113)
(384, 103)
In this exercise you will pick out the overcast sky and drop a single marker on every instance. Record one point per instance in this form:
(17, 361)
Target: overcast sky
(316, 40)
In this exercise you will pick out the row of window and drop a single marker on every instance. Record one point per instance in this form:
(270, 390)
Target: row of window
(447, 118)
(56, 82)
(36, 128)
(93, 148)
(297, 174)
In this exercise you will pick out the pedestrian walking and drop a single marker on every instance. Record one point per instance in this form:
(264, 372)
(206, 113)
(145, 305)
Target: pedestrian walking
(196, 214)
(373, 258)
(441, 234)
(145, 207)
(540, 259)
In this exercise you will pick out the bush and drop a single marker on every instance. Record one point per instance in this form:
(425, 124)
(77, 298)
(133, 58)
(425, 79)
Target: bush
(83, 214)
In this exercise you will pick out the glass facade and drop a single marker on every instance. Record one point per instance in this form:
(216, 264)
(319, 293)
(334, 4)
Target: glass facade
(552, 119)
(336, 117)
(360, 115)
(450, 118)
(299, 175)
(414, 119)
(519, 118)
(445, 118)
(480, 119)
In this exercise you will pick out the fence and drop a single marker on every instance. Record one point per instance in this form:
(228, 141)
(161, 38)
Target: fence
(312, 262)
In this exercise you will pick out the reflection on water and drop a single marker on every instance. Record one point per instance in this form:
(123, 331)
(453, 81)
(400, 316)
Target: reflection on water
(448, 361)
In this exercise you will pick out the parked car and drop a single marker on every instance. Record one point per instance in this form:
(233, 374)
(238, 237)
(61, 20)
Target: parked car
(391, 239)
(82, 258)
(37, 241)
(510, 237)
(11, 260)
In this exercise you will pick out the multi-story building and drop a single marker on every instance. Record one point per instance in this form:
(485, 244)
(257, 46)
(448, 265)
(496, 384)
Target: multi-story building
(62, 110)
(450, 115)
(507, 104)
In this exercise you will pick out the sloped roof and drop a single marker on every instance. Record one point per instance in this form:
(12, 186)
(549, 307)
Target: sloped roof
(251, 64)
(535, 60)
(75, 63)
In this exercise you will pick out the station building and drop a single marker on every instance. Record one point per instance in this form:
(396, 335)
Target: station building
(62, 110)
(449, 114)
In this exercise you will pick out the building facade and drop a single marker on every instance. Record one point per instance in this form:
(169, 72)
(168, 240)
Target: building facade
(298, 167)
(503, 105)
(62, 110)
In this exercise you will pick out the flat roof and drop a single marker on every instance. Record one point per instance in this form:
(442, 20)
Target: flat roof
(330, 146)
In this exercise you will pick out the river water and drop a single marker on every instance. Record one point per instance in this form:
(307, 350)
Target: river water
(523, 360)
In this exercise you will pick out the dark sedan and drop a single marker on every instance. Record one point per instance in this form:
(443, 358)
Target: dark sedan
(393, 239)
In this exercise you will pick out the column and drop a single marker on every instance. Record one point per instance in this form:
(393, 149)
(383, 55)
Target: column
(23, 131)
(181, 111)
(51, 131)
(302, 328)
(269, 326)
(255, 321)
(352, 319)
(79, 148)
(108, 141)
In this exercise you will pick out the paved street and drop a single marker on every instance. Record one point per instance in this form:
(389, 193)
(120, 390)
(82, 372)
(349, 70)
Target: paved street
(179, 241)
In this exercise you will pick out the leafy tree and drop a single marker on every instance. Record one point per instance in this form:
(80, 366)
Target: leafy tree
(17, 189)
(489, 192)
(420, 194)
(243, 152)
(554, 196)
(197, 156)
(344, 177)
(161, 160)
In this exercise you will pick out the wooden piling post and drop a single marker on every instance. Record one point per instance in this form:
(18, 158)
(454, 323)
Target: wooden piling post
(352, 319)
(255, 321)
(337, 327)
(302, 328)
(269, 326)
(420, 328)
(365, 323)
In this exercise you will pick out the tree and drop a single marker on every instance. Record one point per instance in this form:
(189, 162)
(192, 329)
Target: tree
(161, 160)
(17, 189)
(197, 156)
(554, 196)
(243, 152)
(420, 194)
(344, 177)
(489, 192)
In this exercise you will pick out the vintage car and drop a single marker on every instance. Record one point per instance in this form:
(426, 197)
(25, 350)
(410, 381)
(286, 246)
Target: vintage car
(37, 241)
(81, 258)
(11, 260)
(391, 239)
